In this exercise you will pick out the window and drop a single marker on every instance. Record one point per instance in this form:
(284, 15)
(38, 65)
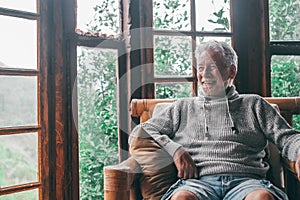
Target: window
(43, 68)
(21, 130)
(99, 51)
(285, 49)
(178, 27)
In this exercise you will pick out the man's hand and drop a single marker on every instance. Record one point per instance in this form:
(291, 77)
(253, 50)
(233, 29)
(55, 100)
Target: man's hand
(185, 164)
(297, 166)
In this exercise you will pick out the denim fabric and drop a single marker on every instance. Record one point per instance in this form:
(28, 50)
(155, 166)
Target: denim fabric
(224, 187)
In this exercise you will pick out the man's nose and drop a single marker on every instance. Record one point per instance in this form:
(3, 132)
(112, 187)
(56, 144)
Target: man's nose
(206, 71)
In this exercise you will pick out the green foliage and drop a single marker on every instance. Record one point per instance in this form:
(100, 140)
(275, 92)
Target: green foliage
(164, 92)
(285, 79)
(284, 19)
(97, 110)
(27, 195)
(97, 121)
(106, 17)
(285, 25)
(173, 90)
(172, 56)
(220, 20)
(285, 76)
(171, 14)
(18, 165)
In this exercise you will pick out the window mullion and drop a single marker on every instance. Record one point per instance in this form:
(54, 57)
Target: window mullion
(19, 13)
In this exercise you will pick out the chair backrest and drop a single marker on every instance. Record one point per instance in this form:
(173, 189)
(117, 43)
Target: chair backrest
(288, 106)
(143, 108)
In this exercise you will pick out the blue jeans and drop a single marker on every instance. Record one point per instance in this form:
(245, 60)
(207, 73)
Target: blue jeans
(224, 187)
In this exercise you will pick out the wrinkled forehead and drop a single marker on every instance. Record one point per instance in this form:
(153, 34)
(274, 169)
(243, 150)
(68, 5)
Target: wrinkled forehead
(211, 57)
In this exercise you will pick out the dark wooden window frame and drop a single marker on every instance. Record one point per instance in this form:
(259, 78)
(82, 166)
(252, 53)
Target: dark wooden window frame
(64, 183)
(285, 48)
(251, 44)
(122, 96)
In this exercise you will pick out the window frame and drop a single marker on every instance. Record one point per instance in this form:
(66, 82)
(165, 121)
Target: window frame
(38, 129)
(280, 48)
(252, 48)
(193, 34)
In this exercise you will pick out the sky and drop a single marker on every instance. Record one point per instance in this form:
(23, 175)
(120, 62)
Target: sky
(18, 41)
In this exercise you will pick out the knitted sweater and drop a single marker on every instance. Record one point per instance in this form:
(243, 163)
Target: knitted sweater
(225, 136)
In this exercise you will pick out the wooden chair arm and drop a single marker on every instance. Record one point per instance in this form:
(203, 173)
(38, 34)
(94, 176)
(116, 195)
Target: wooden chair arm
(119, 178)
(138, 106)
(143, 108)
(290, 104)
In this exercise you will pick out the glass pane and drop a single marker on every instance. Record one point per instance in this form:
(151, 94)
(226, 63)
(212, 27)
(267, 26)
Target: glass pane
(284, 20)
(98, 16)
(213, 15)
(171, 14)
(18, 101)
(205, 39)
(18, 39)
(97, 117)
(285, 76)
(19, 159)
(296, 122)
(28, 195)
(173, 90)
(24, 5)
(172, 56)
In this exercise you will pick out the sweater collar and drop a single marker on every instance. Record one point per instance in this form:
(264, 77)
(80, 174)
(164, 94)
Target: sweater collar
(230, 93)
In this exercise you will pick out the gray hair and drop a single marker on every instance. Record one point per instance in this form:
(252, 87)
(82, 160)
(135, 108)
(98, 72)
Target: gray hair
(222, 48)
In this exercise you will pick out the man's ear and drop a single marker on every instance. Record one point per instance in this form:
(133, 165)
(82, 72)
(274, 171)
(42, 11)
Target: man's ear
(232, 72)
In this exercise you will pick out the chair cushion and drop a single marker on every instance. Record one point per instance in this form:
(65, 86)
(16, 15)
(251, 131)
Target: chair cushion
(159, 171)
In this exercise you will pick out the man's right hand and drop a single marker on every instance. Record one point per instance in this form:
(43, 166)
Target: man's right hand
(185, 164)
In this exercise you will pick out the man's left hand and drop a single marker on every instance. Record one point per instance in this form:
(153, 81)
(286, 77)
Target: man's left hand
(297, 166)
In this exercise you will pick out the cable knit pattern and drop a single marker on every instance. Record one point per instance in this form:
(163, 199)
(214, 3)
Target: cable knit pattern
(223, 136)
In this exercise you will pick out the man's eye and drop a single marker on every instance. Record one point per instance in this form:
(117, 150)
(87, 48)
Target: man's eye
(201, 69)
(209, 67)
(213, 67)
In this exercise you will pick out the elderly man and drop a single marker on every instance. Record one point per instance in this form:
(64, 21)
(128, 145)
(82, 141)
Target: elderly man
(218, 139)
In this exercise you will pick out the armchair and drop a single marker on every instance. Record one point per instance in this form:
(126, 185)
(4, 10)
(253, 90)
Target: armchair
(121, 182)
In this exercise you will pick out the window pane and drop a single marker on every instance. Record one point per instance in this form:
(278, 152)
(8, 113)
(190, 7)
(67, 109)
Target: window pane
(284, 20)
(173, 90)
(18, 101)
(296, 122)
(98, 16)
(171, 14)
(97, 117)
(24, 5)
(28, 195)
(19, 159)
(205, 39)
(18, 39)
(173, 56)
(285, 76)
(213, 15)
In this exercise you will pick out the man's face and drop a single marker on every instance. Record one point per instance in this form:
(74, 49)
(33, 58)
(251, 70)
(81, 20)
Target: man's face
(213, 75)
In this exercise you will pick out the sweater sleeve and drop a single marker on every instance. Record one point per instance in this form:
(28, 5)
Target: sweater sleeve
(162, 126)
(277, 130)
